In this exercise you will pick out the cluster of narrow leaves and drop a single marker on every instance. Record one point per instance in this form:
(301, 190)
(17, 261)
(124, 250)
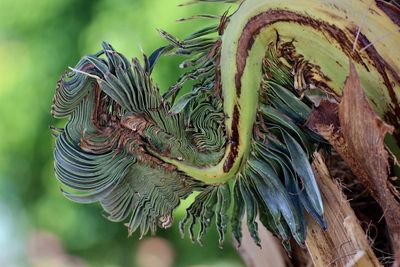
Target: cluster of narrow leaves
(119, 123)
(277, 183)
(98, 155)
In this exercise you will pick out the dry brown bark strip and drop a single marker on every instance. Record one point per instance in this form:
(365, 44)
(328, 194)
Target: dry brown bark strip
(357, 134)
(344, 243)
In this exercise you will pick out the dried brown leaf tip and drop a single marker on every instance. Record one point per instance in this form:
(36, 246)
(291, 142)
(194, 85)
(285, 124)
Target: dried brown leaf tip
(359, 139)
(364, 132)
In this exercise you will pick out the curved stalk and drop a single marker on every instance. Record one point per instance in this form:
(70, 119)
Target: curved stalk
(254, 26)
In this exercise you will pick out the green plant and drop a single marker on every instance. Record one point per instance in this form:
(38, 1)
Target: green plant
(239, 137)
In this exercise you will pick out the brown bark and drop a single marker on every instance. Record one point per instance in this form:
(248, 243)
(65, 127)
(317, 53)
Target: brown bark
(357, 134)
(344, 243)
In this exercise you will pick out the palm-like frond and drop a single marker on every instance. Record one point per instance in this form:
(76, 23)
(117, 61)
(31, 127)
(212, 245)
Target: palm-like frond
(123, 139)
(118, 120)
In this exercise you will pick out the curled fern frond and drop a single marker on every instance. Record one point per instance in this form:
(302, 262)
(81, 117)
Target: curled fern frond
(238, 137)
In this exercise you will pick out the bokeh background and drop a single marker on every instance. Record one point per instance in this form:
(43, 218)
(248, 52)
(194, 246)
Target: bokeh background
(38, 226)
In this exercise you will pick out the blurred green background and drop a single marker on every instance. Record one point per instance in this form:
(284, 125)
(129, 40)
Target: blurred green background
(38, 226)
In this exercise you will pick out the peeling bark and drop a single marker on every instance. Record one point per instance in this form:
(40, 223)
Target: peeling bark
(357, 134)
(344, 243)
